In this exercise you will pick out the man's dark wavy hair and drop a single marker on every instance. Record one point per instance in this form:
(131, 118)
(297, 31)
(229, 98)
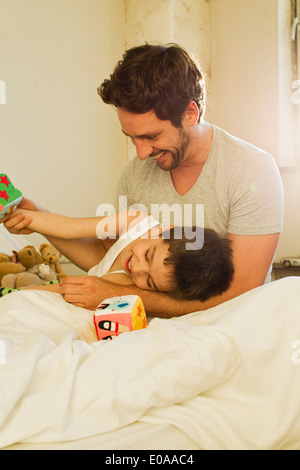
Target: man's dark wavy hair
(198, 274)
(163, 78)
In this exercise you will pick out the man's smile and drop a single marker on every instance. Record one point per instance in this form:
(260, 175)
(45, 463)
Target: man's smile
(159, 157)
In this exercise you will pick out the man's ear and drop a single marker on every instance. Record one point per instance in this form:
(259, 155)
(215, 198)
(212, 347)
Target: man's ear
(191, 114)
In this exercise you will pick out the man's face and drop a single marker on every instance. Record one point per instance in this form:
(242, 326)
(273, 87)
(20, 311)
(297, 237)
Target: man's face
(155, 138)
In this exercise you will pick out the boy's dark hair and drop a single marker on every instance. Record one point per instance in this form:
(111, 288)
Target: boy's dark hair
(202, 273)
(156, 77)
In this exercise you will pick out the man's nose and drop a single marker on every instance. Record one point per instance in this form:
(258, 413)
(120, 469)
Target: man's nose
(143, 149)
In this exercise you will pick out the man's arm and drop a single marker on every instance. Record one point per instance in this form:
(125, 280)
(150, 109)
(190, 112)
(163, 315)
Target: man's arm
(252, 257)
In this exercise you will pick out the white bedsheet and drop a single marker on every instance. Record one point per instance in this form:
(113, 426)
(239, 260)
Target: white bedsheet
(226, 378)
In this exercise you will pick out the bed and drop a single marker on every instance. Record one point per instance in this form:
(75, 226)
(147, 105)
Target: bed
(224, 378)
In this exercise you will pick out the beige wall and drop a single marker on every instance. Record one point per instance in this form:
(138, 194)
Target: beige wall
(244, 65)
(59, 143)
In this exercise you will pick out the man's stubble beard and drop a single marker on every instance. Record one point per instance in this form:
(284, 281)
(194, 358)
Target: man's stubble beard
(179, 155)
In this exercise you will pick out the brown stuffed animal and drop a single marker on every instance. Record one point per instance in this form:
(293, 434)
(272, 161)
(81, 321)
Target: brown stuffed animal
(51, 256)
(28, 268)
(10, 264)
(25, 269)
(38, 275)
(29, 256)
(4, 258)
(10, 267)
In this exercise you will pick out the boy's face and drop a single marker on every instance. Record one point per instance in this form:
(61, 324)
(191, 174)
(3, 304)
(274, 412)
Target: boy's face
(143, 260)
(156, 138)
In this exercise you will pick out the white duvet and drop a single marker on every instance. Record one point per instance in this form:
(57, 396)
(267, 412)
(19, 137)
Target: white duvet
(228, 377)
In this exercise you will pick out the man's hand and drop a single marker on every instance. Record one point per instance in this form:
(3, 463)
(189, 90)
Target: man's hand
(89, 291)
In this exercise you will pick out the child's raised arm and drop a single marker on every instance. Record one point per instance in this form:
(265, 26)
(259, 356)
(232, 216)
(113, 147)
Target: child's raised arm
(55, 225)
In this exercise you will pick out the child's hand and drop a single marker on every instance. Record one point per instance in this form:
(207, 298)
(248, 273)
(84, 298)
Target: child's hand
(17, 222)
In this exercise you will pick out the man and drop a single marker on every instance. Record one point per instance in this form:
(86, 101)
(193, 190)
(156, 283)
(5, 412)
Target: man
(159, 95)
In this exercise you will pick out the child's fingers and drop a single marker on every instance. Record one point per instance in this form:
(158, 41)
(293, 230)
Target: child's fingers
(18, 223)
(8, 223)
(13, 220)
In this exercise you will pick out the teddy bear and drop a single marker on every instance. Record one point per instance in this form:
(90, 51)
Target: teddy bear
(8, 266)
(51, 256)
(11, 264)
(20, 269)
(37, 268)
(29, 256)
(38, 275)
(4, 258)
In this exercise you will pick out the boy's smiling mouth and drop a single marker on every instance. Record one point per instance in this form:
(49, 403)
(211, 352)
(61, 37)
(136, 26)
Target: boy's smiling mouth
(128, 264)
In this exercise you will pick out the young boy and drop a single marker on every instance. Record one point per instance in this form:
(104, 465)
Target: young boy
(145, 254)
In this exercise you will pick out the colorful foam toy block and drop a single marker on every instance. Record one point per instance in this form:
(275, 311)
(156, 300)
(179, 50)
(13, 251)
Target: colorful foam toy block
(10, 196)
(119, 315)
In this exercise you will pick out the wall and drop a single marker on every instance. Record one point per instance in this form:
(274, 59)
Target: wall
(59, 143)
(245, 70)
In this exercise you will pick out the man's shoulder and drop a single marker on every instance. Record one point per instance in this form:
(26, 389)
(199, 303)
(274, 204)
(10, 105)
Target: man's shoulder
(237, 155)
(230, 142)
